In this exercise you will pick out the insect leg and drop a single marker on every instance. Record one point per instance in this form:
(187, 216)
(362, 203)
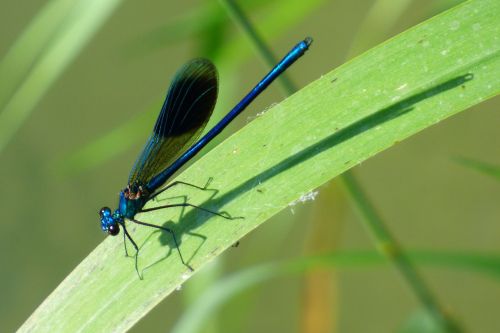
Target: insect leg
(178, 182)
(125, 232)
(188, 205)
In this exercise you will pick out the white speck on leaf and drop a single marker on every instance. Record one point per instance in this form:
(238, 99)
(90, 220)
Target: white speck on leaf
(311, 196)
(404, 85)
(455, 25)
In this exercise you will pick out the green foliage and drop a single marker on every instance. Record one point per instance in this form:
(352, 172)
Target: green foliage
(39, 56)
(480, 166)
(213, 298)
(421, 322)
(393, 91)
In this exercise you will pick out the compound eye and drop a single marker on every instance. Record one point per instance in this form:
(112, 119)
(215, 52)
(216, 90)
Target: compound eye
(113, 229)
(105, 211)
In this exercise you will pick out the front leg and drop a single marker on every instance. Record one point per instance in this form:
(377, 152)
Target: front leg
(125, 233)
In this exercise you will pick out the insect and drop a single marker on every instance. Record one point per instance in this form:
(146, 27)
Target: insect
(189, 103)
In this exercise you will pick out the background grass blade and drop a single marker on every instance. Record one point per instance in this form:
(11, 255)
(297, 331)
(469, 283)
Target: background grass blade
(41, 54)
(393, 91)
(213, 298)
(480, 166)
(17, 61)
(382, 10)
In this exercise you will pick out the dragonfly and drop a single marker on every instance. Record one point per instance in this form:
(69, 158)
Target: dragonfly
(186, 110)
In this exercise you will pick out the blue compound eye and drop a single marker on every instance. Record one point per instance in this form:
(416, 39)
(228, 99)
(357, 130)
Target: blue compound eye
(105, 212)
(113, 229)
(108, 222)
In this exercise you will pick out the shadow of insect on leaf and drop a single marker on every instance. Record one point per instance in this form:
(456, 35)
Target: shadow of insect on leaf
(167, 240)
(196, 217)
(341, 135)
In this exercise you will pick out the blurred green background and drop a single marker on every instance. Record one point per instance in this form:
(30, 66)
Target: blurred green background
(73, 153)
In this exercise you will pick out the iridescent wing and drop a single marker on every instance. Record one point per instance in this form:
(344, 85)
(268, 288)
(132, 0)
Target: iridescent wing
(189, 103)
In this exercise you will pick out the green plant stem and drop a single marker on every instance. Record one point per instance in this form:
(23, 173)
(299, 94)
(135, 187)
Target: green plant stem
(386, 244)
(244, 23)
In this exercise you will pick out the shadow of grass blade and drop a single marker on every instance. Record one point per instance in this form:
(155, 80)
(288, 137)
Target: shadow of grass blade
(391, 92)
(45, 49)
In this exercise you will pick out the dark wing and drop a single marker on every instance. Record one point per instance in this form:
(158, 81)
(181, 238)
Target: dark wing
(189, 103)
